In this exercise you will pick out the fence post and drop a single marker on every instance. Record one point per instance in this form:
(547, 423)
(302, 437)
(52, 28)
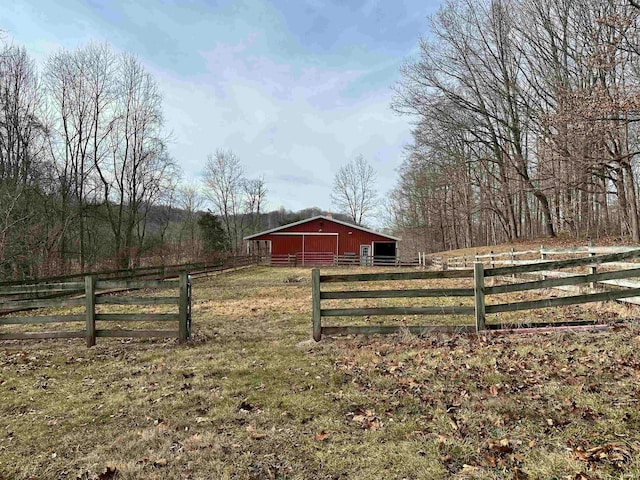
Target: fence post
(478, 290)
(183, 331)
(315, 304)
(543, 256)
(90, 307)
(592, 268)
(189, 305)
(491, 259)
(513, 261)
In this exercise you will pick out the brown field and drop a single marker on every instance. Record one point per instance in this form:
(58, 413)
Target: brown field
(251, 396)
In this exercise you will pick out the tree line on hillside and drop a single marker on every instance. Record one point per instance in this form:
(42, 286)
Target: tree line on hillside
(83, 157)
(525, 123)
(86, 180)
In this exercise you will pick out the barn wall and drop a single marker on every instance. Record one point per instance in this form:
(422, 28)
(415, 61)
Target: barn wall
(350, 238)
(285, 244)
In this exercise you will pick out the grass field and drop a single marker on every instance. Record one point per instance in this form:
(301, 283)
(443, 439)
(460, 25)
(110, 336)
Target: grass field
(251, 396)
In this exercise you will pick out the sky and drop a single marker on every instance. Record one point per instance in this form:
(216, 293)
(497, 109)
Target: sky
(296, 88)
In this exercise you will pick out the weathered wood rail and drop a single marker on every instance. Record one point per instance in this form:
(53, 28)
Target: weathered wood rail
(329, 259)
(158, 272)
(479, 292)
(511, 257)
(95, 291)
(543, 256)
(318, 295)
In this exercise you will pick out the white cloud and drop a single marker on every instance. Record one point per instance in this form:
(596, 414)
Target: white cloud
(274, 117)
(238, 78)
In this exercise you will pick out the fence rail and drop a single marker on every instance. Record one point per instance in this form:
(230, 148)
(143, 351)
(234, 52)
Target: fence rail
(95, 293)
(159, 272)
(510, 258)
(479, 292)
(542, 256)
(329, 259)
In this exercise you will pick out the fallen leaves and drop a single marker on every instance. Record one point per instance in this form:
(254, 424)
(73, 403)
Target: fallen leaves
(321, 436)
(611, 453)
(246, 407)
(254, 435)
(378, 404)
(160, 462)
(109, 473)
(502, 446)
(367, 419)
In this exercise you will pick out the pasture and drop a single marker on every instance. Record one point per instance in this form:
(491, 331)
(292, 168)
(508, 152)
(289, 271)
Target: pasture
(251, 396)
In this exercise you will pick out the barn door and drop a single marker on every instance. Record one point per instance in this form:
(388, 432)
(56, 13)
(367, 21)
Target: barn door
(365, 254)
(318, 249)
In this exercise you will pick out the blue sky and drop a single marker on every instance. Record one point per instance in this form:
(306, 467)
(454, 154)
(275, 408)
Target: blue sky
(297, 88)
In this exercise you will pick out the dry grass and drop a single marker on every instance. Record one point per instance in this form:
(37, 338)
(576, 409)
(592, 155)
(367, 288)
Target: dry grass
(252, 397)
(562, 241)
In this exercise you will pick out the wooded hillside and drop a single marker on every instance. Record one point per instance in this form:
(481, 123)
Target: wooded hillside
(525, 118)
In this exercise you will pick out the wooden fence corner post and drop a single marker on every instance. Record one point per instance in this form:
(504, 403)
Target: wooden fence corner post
(183, 330)
(478, 290)
(315, 304)
(592, 268)
(90, 308)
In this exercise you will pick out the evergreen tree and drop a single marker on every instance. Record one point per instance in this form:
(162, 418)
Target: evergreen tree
(213, 235)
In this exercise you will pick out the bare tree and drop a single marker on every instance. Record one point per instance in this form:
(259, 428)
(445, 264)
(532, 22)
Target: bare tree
(24, 226)
(22, 133)
(354, 189)
(236, 199)
(81, 154)
(190, 200)
(135, 172)
(81, 92)
(539, 99)
(255, 192)
(224, 179)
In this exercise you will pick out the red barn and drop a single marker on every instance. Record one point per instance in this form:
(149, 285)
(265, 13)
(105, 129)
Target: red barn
(323, 241)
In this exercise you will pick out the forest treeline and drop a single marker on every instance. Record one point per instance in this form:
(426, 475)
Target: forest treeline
(86, 179)
(525, 124)
(83, 158)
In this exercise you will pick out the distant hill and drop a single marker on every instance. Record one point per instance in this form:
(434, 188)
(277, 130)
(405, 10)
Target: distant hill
(159, 215)
(278, 218)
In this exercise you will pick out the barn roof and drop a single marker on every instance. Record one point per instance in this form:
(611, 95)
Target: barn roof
(322, 217)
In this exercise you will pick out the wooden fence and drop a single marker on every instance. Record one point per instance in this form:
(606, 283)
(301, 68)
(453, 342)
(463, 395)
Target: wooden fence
(543, 255)
(159, 272)
(519, 257)
(310, 259)
(95, 291)
(480, 292)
